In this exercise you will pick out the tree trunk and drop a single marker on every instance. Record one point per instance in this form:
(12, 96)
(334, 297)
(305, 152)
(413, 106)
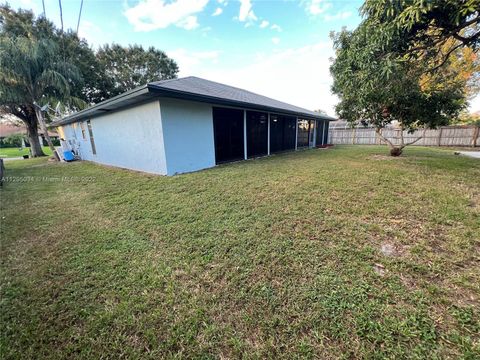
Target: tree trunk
(43, 126)
(396, 151)
(32, 133)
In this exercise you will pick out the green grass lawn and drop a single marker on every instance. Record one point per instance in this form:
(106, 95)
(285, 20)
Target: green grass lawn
(17, 152)
(279, 257)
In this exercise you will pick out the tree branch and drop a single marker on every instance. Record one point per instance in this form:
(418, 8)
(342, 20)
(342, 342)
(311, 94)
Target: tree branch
(416, 140)
(377, 130)
(447, 56)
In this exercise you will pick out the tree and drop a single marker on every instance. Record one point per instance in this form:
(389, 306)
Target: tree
(14, 140)
(374, 87)
(133, 66)
(320, 111)
(411, 61)
(96, 85)
(426, 27)
(30, 77)
(88, 77)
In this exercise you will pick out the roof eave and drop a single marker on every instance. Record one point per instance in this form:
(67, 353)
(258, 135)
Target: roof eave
(161, 92)
(99, 108)
(142, 93)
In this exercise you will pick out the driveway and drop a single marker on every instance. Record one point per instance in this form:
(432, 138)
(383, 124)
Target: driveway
(474, 154)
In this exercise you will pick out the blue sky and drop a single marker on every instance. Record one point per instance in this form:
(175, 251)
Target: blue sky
(277, 48)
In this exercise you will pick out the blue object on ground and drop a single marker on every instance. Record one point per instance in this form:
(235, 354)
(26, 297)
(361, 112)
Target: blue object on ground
(68, 156)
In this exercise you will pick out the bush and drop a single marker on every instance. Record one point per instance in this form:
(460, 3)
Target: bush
(14, 140)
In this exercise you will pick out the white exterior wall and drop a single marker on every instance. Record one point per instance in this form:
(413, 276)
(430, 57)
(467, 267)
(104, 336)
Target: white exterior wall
(130, 138)
(166, 137)
(188, 135)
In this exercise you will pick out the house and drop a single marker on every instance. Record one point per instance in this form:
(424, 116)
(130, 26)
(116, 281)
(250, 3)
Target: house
(188, 124)
(8, 128)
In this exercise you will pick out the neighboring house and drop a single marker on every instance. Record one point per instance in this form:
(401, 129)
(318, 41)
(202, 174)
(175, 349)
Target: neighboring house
(188, 124)
(7, 129)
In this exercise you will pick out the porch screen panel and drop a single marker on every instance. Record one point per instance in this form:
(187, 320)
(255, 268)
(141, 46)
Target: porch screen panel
(282, 133)
(325, 133)
(303, 133)
(320, 125)
(257, 133)
(228, 134)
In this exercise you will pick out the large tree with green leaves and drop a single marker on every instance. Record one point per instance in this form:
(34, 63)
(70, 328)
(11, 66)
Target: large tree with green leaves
(132, 66)
(426, 28)
(379, 81)
(35, 72)
(108, 72)
(32, 75)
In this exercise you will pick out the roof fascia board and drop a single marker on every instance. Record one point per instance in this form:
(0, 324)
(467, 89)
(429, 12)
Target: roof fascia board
(178, 94)
(115, 100)
(158, 92)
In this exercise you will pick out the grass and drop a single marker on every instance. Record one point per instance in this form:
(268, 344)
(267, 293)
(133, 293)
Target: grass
(274, 258)
(18, 152)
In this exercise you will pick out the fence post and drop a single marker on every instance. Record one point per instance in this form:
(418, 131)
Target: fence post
(476, 130)
(353, 135)
(439, 140)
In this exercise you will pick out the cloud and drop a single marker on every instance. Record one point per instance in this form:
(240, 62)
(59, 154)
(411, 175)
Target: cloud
(474, 104)
(276, 27)
(276, 40)
(190, 61)
(264, 24)
(30, 4)
(298, 76)
(305, 69)
(246, 12)
(188, 23)
(150, 15)
(315, 7)
(92, 33)
(342, 15)
(217, 12)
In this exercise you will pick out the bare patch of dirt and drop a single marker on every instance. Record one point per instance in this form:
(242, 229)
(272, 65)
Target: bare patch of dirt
(385, 157)
(379, 269)
(391, 250)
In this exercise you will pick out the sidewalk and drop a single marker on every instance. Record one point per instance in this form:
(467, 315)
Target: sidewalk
(474, 154)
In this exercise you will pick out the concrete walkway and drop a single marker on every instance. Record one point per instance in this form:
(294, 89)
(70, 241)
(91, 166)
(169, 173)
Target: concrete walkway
(12, 158)
(474, 154)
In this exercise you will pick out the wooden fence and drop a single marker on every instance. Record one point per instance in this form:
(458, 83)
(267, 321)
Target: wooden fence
(443, 136)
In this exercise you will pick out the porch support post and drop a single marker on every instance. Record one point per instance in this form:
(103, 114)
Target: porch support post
(296, 133)
(245, 154)
(323, 132)
(268, 131)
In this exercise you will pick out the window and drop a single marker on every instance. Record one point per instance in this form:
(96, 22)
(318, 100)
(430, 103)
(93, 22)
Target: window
(92, 141)
(82, 126)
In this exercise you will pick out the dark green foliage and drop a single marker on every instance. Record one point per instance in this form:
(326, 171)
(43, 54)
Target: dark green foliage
(426, 26)
(111, 70)
(375, 87)
(14, 140)
(132, 66)
(378, 77)
(70, 72)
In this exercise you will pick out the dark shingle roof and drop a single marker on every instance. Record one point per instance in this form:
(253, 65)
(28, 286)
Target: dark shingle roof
(195, 89)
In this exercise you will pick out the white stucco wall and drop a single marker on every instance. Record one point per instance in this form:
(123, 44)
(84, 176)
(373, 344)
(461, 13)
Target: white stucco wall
(188, 135)
(130, 138)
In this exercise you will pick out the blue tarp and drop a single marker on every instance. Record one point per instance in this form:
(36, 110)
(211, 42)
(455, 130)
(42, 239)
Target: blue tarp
(68, 156)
